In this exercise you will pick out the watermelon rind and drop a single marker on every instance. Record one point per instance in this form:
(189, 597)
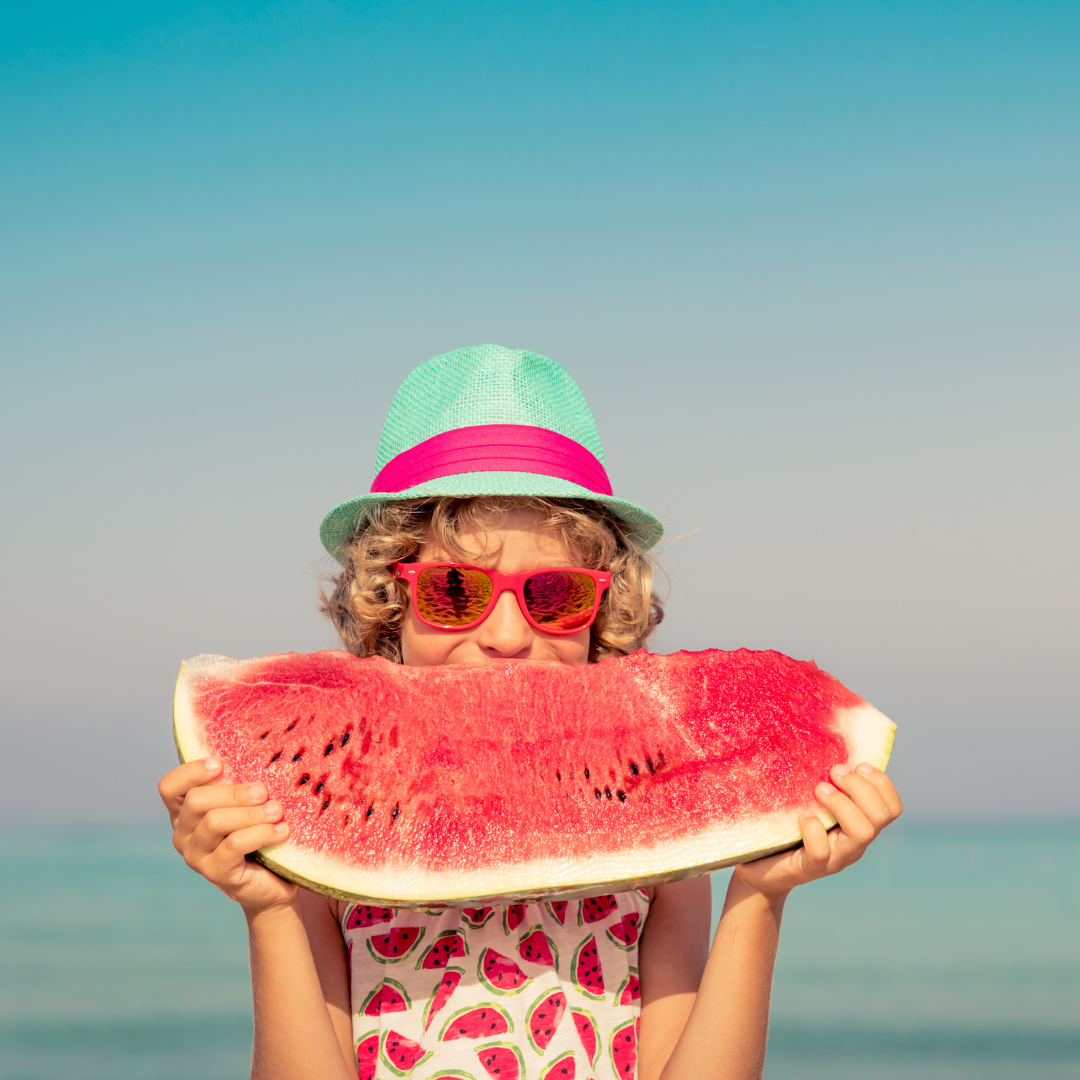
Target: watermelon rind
(868, 733)
(446, 1074)
(429, 1015)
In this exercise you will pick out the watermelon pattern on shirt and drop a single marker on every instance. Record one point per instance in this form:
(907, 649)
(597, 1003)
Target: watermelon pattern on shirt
(539, 991)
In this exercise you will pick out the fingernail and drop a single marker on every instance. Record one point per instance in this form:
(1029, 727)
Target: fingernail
(825, 789)
(281, 827)
(272, 809)
(865, 769)
(808, 817)
(212, 764)
(841, 770)
(256, 791)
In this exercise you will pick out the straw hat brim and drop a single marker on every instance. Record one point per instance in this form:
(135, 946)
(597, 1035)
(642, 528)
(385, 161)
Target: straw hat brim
(340, 524)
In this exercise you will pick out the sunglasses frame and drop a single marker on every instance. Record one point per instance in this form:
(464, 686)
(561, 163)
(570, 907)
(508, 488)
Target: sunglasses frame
(409, 572)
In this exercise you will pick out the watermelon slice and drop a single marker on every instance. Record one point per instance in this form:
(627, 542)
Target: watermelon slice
(367, 1055)
(544, 1017)
(588, 974)
(502, 1061)
(500, 974)
(623, 1049)
(624, 933)
(442, 993)
(513, 917)
(393, 947)
(401, 1055)
(630, 990)
(479, 786)
(538, 948)
(442, 950)
(587, 1031)
(564, 1067)
(389, 996)
(477, 1022)
(596, 908)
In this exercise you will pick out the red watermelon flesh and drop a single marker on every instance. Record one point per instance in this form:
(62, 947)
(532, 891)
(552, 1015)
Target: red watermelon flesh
(564, 1067)
(586, 1029)
(630, 991)
(444, 990)
(500, 974)
(624, 1050)
(544, 1018)
(595, 908)
(365, 915)
(367, 1056)
(624, 933)
(402, 1055)
(587, 970)
(389, 996)
(480, 1022)
(538, 948)
(502, 1061)
(448, 944)
(412, 786)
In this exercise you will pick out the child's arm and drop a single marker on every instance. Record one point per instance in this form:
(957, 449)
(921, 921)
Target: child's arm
(299, 976)
(720, 1032)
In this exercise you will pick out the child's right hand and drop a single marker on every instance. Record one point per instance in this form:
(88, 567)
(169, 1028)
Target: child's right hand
(215, 828)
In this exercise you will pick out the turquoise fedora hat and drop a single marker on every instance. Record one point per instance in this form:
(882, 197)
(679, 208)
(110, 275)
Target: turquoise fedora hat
(488, 421)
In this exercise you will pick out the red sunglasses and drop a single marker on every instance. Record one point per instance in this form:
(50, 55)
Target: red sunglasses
(456, 596)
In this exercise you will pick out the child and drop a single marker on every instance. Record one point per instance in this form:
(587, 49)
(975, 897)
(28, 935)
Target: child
(490, 458)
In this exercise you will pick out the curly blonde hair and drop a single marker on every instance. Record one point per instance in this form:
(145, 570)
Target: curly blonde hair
(367, 604)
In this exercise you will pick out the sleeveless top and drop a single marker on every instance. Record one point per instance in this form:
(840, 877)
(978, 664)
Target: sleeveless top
(539, 991)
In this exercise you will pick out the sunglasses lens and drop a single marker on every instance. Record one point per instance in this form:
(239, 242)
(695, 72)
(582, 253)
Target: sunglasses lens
(452, 595)
(560, 599)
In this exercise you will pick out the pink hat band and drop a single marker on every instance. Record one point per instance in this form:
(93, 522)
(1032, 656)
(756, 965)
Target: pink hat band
(493, 448)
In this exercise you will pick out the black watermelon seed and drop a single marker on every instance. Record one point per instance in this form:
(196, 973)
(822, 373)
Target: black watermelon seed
(275, 757)
(607, 793)
(558, 776)
(264, 734)
(329, 749)
(596, 792)
(649, 765)
(586, 774)
(298, 756)
(293, 724)
(303, 780)
(394, 813)
(633, 768)
(622, 796)
(320, 785)
(325, 805)
(345, 738)
(370, 811)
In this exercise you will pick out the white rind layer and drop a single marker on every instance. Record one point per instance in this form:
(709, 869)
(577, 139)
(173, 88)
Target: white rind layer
(868, 733)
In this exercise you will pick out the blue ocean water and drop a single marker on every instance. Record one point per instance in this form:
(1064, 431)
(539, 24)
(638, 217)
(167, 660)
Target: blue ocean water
(946, 954)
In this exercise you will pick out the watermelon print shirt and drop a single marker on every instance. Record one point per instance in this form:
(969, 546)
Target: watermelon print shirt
(540, 991)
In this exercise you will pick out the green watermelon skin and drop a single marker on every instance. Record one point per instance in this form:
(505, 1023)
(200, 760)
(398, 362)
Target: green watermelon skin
(579, 779)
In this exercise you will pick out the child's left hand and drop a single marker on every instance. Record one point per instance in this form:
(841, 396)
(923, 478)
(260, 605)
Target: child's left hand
(864, 804)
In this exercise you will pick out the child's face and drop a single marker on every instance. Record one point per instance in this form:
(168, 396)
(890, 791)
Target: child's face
(505, 634)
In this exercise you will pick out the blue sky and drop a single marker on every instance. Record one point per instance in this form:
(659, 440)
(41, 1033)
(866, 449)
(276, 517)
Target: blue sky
(814, 264)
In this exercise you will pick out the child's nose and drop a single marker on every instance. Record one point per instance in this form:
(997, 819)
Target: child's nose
(505, 631)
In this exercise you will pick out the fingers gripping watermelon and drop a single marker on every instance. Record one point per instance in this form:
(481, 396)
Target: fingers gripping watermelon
(476, 786)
